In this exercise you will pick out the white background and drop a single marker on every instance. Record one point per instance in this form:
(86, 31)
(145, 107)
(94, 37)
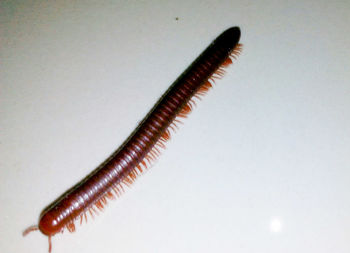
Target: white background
(261, 165)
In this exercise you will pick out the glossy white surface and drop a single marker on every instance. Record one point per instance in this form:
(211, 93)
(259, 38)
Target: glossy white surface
(261, 165)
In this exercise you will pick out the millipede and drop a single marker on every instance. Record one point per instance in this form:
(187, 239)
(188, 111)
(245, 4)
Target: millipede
(144, 145)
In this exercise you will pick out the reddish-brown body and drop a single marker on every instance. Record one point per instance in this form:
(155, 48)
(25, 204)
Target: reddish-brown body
(124, 165)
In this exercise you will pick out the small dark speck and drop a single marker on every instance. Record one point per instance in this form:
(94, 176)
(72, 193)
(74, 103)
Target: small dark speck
(177, 18)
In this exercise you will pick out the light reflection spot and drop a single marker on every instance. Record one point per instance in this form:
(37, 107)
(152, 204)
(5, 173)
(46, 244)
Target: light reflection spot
(276, 225)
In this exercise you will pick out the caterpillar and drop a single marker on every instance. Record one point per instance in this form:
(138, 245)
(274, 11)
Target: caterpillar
(144, 145)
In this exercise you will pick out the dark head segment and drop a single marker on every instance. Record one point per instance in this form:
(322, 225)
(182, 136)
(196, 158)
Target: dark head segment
(230, 37)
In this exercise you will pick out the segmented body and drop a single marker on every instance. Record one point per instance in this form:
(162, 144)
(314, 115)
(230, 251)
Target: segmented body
(144, 145)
